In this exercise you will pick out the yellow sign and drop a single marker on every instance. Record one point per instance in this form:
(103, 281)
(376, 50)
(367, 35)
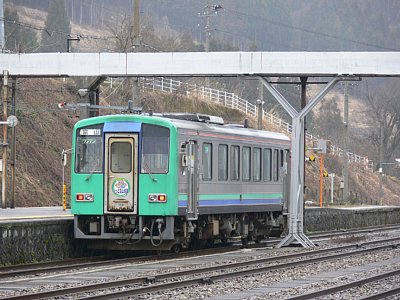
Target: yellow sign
(326, 174)
(312, 158)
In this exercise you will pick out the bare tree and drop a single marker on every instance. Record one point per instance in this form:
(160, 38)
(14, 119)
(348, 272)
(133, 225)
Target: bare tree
(384, 112)
(121, 30)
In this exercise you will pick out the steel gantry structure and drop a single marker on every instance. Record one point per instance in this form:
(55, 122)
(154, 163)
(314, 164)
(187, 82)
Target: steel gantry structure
(262, 65)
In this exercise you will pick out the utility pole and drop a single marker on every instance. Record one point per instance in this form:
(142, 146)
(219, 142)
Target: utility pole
(2, 35)
(5, 139)
(207, 14)
(208, 33)
(13, 146)
(260, 103)
(381, 165)
(135, 44)
(345, 171)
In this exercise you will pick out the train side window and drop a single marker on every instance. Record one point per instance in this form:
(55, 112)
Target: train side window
(155, 149)
(235, 163)
(257, 164)
(275, 163)
(246, 163)
(267, 164)
(207, 161)
(222, 162)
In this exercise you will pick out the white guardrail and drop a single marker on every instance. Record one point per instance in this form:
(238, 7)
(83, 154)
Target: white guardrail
(234, 101)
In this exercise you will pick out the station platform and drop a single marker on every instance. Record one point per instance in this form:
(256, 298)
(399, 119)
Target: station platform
(34, 213)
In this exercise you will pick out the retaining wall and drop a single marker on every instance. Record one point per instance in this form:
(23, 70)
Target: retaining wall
(38, 240)
(325, 219)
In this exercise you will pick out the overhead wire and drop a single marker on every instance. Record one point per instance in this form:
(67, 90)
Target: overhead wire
(324, 34)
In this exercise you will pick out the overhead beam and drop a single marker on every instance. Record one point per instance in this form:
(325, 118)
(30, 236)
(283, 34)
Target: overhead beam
(291, 64)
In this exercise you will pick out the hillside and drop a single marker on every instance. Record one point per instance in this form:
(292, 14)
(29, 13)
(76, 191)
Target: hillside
(44, 131)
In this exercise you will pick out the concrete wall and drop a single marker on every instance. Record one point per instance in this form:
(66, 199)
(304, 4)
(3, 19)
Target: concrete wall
(38, 240)
(325, 219)
(34, 241)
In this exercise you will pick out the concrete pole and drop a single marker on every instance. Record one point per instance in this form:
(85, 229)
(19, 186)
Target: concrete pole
(136, 43)
(2, 34)
(381, 166)
(208, 32)
(13, 146)
(5, 140)
(321, 179)
(345, 171)
(260, 103)
(260, 114)
(332, 185)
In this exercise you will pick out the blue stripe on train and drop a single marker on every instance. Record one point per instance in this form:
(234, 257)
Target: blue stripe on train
(183, 203)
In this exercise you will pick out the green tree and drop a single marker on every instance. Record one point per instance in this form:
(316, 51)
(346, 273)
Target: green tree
(58, 28)
(18, 38)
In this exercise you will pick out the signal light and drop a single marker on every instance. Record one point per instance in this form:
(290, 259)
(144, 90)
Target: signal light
(162, 198)
(154, 198)
(88, 197)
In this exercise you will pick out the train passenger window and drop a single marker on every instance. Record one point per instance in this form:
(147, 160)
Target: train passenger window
(276, 165)
(223, 162)
(246, 163)
(88, 150)
(207, 161)
(155, 149)
(267, 164)
(235, 162)
(121, 157)
(257, 164)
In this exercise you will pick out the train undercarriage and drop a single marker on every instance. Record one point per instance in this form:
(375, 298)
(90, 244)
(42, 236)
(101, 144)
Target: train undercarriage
(164, 233)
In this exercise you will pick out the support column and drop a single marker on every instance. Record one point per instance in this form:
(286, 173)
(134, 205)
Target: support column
(295, 220)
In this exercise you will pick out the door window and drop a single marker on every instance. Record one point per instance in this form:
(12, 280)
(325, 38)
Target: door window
(121, 157)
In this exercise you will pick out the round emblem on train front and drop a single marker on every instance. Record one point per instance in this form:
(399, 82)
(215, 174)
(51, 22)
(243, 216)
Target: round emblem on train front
(121, 187)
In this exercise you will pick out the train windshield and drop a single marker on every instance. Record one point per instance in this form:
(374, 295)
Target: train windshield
(88, 152)
(155, 149)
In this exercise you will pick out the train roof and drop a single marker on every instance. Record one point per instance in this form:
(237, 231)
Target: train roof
(185, 125)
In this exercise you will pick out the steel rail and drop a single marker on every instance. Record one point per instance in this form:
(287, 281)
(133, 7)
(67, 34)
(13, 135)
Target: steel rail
(58, 266)
(382, 295)
(350, 285)
(205, 279)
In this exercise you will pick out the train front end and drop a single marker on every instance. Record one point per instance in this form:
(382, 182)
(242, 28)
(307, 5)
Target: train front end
(123, 188)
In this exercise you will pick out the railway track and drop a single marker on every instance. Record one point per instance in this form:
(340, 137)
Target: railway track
(101, 261)
(207, 275)
(354, 284)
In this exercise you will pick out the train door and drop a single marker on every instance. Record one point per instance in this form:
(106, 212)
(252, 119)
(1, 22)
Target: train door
(121, 173)
(193, 180)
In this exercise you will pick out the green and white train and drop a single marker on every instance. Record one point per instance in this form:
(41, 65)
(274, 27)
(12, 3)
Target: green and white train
(173, 181)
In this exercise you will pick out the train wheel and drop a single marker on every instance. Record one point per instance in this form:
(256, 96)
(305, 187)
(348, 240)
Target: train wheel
(210, 243)
(245, 241)
(177, 248)
(224, 240)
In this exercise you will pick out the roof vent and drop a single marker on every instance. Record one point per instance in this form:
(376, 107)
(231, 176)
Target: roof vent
(195, 118)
